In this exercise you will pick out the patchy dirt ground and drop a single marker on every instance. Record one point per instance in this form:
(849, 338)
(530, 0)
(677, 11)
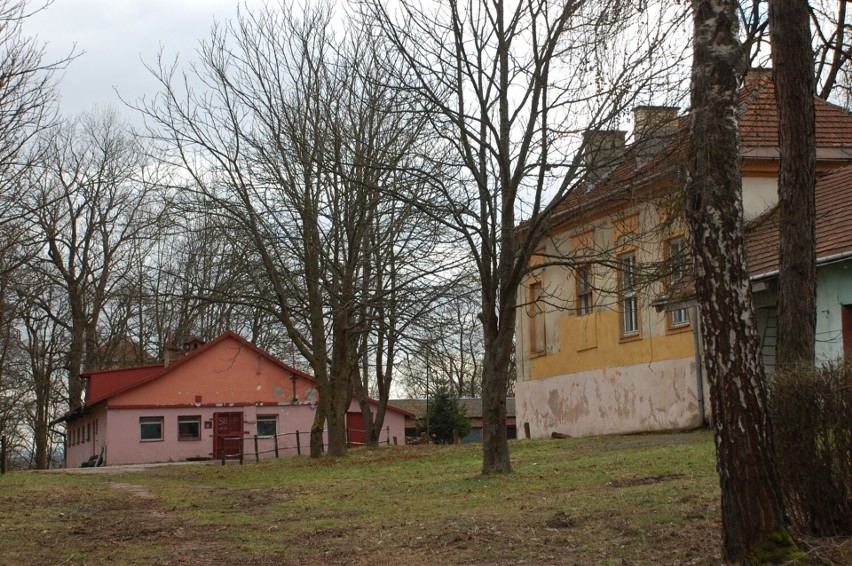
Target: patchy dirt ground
(619, 500)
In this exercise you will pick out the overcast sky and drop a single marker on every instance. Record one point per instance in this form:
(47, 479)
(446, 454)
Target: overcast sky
(114, 37)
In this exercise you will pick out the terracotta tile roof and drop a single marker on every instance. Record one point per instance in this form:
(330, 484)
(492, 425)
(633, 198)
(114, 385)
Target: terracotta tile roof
(833, 225)
(758, 140)
(759, 124)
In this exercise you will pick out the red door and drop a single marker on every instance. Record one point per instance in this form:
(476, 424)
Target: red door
(357, 430)
(227, 434)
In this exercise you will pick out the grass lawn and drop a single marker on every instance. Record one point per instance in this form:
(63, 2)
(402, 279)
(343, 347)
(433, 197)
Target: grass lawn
(649, 499)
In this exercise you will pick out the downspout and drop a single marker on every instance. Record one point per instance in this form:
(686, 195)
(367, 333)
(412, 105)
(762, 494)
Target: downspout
(699, 366)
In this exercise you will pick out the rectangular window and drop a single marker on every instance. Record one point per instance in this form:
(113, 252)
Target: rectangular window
(628, 298)
(151, 428)
(535, 311)
(584, 290)
(189, 428)
(677, 259)
(267, 425)
(88, 432)
(679, 317)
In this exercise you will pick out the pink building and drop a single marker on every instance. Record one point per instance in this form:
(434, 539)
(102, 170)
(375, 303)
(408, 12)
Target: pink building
(199, 405)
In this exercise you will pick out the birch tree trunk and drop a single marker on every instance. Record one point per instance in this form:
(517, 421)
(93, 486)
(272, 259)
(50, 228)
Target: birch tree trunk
(752, 514)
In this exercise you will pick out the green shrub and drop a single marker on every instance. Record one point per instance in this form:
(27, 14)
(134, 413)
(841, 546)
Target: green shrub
(811, 410)
(446, 416)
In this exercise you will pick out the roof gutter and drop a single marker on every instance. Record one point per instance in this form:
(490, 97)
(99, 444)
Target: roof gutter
(827, 260)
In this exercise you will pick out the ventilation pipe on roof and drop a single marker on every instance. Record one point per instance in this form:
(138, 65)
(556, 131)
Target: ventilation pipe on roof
(654, 127)
(603, 151)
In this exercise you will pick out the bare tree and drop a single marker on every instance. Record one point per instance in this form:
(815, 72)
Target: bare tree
(832, 48)
(289, 149)
(408, 273)
(45, 343)
(752, 514)
(87, 204)
(449, 340)
(829, 41)
(509, 88)
(27, 97)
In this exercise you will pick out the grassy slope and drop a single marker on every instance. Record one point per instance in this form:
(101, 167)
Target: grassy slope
(638, 499)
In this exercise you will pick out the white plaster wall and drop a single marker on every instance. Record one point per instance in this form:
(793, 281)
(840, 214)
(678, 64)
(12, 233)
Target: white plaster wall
(644, 397)
(759, 194)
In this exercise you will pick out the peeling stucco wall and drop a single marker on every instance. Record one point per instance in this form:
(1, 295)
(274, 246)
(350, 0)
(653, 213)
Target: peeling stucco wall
(644, 397)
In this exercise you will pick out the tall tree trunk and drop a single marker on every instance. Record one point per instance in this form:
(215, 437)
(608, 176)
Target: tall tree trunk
(76, 353)
(495, 379)
(752, 515)
(40, 424)
(317, 428)
(793, 73)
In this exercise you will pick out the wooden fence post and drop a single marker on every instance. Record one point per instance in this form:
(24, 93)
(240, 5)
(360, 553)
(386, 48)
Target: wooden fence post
(2, 455)
(298, 444)
(256, 451)
(242, 449)
(275, 439)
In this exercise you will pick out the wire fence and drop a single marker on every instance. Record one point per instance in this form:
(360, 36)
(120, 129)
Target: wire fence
(280, 448)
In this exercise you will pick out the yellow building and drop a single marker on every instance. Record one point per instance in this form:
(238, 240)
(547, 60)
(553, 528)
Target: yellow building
(606, 340)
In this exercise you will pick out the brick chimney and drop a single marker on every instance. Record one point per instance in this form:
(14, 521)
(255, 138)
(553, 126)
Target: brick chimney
(756, 73)
(172, 354)
(654, 127)
(604, 150)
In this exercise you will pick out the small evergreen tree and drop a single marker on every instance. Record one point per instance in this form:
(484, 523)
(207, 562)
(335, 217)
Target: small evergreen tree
(447, 416)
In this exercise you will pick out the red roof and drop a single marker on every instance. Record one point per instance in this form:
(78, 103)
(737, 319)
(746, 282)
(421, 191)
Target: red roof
(758, 140)
(759, 123)
(108, 383)
(833, 225)
(104, 384)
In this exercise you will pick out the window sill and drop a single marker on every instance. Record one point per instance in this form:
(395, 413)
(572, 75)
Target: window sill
(679, 329)
(150, 440)
(198, 439)
(630, 338)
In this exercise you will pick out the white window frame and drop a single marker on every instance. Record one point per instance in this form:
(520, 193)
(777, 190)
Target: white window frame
(677, 250)
(145, 422)
(679, 317)
(585, 298)
(629, 298)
